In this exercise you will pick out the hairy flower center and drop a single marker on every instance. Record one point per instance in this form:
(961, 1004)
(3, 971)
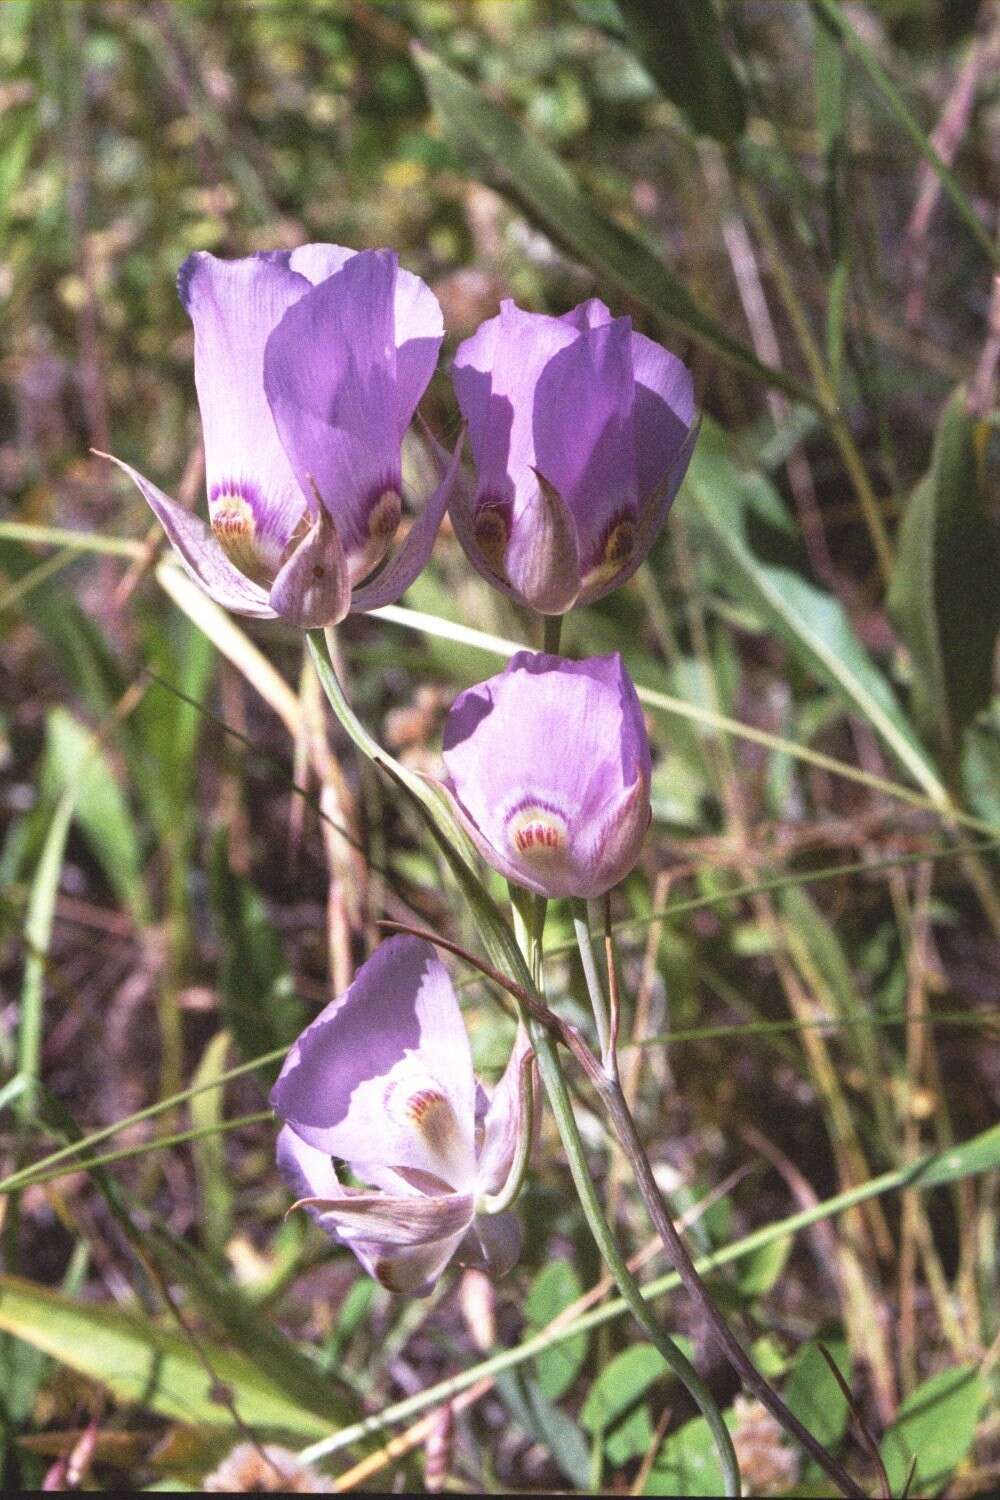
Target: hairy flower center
(618, 547)
(235, 528)
(492, 534)
(427, 1110)
(537, 832)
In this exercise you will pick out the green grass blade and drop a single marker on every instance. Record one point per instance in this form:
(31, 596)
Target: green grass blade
(149, 1366)
(832, 12)
(498, 148)
(947, 555)
(979, 1154)
(679, 43)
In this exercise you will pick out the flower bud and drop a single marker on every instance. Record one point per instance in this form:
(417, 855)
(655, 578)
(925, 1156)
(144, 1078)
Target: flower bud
(581, 432)
(548, 767)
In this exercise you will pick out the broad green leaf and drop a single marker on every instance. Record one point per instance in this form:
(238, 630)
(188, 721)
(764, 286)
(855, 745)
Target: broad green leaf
(981, 768)
(147, 1365)
(165, 727)
(101, 810)
(811, 622)
(631, 1438)
(679, 42)
(944, 597)
(553, 1289)
(686, 1464)
(497, 147)
(935, 1425)
(624, 1380)
(812, 1394)
(37, 936)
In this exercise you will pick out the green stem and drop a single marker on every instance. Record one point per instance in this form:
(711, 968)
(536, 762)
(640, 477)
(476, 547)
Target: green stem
(551, 633)
(529, 916)
(592, 975)
(559, 1098)
(613, 1097)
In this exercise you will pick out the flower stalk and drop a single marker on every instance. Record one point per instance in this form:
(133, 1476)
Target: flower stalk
(530, 934)
(612, 1095)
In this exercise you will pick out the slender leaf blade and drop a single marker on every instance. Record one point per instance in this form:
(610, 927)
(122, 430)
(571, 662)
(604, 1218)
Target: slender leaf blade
(811, 622)
(141, 1363)
(943, 596)
(679, 42)
(498, 147)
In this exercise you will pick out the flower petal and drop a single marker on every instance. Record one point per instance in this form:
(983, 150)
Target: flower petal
(495, 374)
(313, 588)
(409, 1271)
(505, 1115)
(464, 526)
(542, 558)
(419, 335)
(414, 554)
(200, 552)
(607, 849)
(664, 412)
(536, 812)
(319, 261)
(234, 305)
(584, 436)
(590, 314)
(309, 1173)
(492, 1243)
(419, 325)
(383, 1220)
(384, 1073)
(652, 516)
(330, 378)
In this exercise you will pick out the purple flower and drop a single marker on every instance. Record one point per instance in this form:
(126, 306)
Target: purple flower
(382, 1080)
(581, 432)
(548, 767)
(309, 365)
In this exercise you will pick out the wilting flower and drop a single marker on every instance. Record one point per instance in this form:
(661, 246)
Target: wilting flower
(581, 432)
(309, 365)
(382, 1080)
(548, 767)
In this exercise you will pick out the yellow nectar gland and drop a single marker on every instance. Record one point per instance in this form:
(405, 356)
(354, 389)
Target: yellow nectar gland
(537, 833)
(383, 519)
(235, 530)
(492, 535)
(619, 546)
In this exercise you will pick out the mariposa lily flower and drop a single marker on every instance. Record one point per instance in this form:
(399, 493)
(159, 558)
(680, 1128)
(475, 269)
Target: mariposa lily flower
(382, 1081)
(548, 767)
(581, 432)
(309, 365)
